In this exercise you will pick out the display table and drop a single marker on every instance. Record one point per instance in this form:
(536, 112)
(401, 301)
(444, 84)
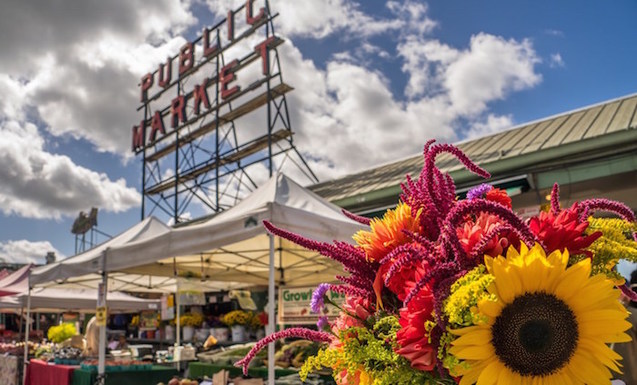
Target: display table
(126, 377)
(41, 373)
(9, 370)
(200, 369)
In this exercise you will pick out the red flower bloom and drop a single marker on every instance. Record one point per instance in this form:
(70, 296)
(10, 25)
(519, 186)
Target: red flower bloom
(405, 279)
(412, 337)
(473, 232)
(563, 231)
(500, 196)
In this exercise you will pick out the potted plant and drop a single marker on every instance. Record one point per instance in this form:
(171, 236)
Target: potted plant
(237, 320)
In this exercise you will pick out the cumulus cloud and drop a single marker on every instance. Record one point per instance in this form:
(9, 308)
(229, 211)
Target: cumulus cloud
(80, 81)
(39, 184)
(78, 63)
(556, 61)
(23, 251)
(492, 124)
(319, 19)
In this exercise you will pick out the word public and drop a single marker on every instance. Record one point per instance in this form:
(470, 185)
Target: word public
(211, 46)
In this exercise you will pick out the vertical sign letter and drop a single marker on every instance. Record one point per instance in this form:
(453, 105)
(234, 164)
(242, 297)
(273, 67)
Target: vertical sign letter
(209, 50)
(138, 136)
(186, 58)
(262, 49)
(226, 76)
(157, 124)
(201, 96)
(162, 80)
(147, 82)
(253, 19)
(230, 22)
(178, 111)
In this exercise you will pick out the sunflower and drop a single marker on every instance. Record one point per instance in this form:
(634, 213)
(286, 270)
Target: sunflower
(544, 324)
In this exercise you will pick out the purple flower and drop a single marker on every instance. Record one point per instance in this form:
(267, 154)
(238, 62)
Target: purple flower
(322, 322)
(479, 191)
(317, 302)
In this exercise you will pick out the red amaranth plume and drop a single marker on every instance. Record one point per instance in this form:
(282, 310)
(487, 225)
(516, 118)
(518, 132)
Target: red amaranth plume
(602, 204)
(304, 333)
(555, 199)
(357, 218)
(352, 258)
(479, 248)
(439, 272)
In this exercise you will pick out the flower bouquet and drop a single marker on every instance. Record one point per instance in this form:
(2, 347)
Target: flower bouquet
(445, 291)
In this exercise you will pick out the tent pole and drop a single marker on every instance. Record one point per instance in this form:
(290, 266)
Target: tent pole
(272, 307)
(178, 306)
(26, 333)
(102, 337)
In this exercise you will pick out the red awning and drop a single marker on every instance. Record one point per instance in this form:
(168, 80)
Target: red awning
(16, 282)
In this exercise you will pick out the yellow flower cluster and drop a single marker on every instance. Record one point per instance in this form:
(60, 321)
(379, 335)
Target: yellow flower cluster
(615, 244)
(61, 333)
(191, 319)
(237, 317)
(461, 306)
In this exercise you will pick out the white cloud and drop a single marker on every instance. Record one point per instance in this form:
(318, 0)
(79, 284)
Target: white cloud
(23, 251)
(554, 32)
(346, 114)
(319, 19)
(492, 124)
(490, 69)
(39, 184)
(556, 61)
(79, 64)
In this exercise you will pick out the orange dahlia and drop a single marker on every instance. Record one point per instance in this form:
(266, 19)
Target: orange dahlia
(387, 233)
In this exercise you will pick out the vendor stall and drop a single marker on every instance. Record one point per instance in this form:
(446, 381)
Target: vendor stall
(41, 373)
(232, 246)
(152, 376)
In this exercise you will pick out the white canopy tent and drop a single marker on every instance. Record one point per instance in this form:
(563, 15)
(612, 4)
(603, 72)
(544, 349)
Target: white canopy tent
(81, 300)
(232, 246)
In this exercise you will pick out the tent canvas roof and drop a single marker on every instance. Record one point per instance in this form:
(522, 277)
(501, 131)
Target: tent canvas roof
(16, 282)
(91, 260)
(232, 246)
(77, 300)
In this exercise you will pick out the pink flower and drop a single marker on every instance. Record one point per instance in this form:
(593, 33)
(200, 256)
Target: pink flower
(473, 232)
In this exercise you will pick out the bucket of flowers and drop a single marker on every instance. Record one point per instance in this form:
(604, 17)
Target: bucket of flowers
(237, 320)
(190, 321)
(444, 291)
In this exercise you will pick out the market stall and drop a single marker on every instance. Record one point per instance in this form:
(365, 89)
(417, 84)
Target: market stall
(128, 376)
(232, 246)
(41, 373)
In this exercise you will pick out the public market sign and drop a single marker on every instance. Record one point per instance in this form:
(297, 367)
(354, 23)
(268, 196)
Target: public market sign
(294, 306)
(189, 105)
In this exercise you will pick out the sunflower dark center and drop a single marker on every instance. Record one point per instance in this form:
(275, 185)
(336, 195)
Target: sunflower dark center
(535, 335)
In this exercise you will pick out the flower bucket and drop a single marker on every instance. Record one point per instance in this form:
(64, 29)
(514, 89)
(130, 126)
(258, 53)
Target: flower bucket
(188, 333)
(201, 334)
(170, 332)
(221, 334)
(238, 333)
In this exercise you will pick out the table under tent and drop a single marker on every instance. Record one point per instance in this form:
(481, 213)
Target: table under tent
(231, 247)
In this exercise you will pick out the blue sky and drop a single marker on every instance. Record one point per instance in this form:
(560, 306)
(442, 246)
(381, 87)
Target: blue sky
(444, 69)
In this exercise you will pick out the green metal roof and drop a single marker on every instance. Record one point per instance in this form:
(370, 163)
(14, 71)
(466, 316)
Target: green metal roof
(603, 129)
